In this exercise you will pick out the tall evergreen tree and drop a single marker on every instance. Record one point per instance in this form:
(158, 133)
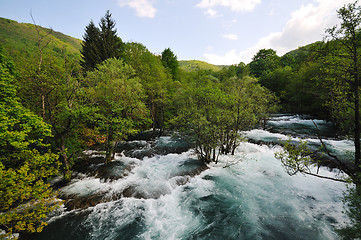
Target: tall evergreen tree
(100, 43)
(90, 47)
(169, 61)
(111, 45)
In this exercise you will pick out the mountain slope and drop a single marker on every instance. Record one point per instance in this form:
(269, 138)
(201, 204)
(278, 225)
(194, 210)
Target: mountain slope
(193, 65)
(20, 40)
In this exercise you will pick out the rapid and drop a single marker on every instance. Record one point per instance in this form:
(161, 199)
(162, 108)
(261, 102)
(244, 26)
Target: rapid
(171, 195)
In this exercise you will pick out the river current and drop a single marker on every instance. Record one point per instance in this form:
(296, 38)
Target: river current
(171, 196)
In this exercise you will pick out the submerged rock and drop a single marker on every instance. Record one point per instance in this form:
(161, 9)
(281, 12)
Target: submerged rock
(160, 146)
(83, 202)
(166, 145)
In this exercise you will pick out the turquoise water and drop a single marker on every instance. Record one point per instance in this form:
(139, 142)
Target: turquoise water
(245, 196)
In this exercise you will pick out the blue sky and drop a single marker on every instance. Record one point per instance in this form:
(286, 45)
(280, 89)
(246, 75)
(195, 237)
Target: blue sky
(215, 31)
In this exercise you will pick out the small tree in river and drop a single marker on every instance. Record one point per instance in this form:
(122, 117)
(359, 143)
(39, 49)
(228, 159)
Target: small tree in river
(213, 113)
(115, 96)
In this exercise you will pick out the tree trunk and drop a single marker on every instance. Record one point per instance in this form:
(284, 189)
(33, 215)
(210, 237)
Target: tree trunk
(43, 106)
(357, 110)
(108, 147)
(357, 125)
(67, 172)
(214, 155)
(113, 150)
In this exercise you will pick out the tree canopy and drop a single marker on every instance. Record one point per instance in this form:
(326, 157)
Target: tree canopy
(25, 162)
(100, 43)
(169, 61)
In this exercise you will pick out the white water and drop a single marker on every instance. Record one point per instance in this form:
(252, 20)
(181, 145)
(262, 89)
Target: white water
(253, 199)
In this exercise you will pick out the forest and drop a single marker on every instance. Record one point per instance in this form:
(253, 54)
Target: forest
(61, 96)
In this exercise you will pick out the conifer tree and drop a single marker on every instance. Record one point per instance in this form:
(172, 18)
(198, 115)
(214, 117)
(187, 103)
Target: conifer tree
(90, 47)
(169, 61)
(111, 45)
(100, 43)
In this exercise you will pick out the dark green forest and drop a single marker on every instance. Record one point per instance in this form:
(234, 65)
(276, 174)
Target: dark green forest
(61, 96)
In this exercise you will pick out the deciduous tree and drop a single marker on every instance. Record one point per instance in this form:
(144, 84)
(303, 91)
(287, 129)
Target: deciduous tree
(116, 97)
(25, 163)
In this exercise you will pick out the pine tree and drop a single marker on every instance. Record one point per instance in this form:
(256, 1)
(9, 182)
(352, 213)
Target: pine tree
(169, 61)
(100, 43)
(90, 47)
(111, 44)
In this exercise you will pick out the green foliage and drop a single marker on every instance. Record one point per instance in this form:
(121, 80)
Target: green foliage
(169, 61)
(293, 79)
(25, 163)
(100, 43)
(155, 80)
(213, 113)
(265, 61)
(352, 202)
(49, 86)
(295, 157)
(115, 96)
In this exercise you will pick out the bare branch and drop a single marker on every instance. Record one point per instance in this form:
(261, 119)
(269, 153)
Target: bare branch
(342, 166)
(324, 177)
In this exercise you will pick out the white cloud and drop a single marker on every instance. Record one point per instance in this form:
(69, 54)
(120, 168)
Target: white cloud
(143, 8)
(229, 58)
(212, 13)
(306, 25)
(230, 36)
(234, 5)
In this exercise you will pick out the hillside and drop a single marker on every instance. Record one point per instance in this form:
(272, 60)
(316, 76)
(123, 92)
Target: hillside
(193, 65)
(20, 40)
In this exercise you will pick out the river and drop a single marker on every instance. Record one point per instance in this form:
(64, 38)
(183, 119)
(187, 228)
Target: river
(172, 196)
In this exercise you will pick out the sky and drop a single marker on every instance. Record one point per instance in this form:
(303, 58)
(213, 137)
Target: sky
(221, 32)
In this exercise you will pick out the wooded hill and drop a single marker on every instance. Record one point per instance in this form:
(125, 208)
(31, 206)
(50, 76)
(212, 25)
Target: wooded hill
(21, 40)
(194, 65)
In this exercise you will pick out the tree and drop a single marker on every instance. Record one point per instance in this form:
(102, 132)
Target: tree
(115, 96)
(90, 51)
(169, 61)
(62, 108)
(65, 111)
(352, 200)
(340, 75)
(100, 43)
(345, 82)
(213, 113)
(200, 115)
(111, 46)
(25, 162)
(263, 62)
(155, 79)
